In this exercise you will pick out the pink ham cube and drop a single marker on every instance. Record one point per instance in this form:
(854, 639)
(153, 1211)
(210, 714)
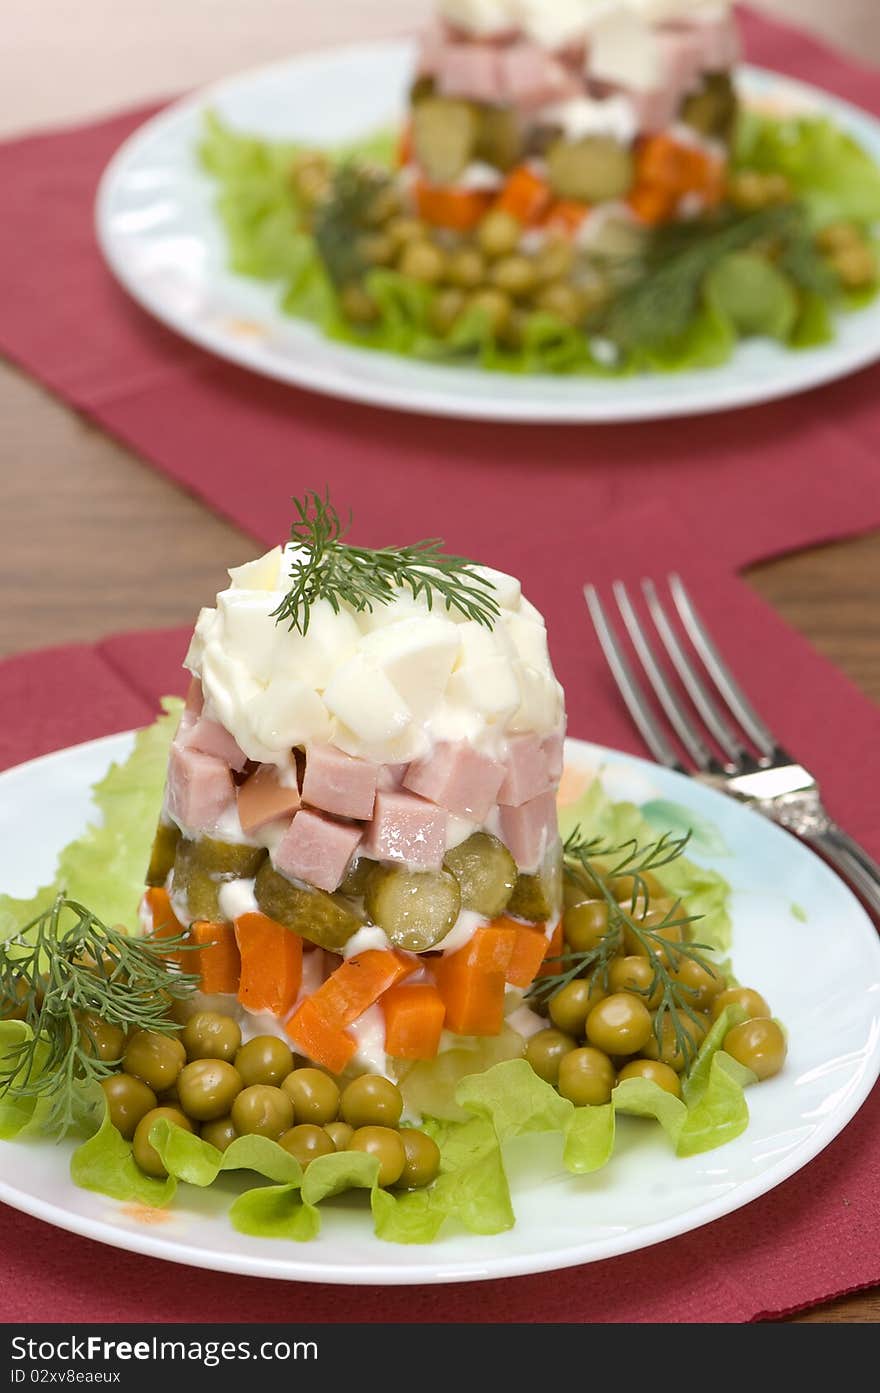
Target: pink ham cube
(530, 77)
(199, 789)
(471, 71)
(459, 778)
(554, 753)
(263, 798)
(316, 849)
(195, 699)
(210, 738)
(527, 831)
(527, 773)
(338, 783)
(408, 829)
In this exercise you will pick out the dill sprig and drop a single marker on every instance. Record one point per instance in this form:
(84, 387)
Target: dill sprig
(62, 968)
(659, 303)
(593, 867)
(326, 567)
(340, 220)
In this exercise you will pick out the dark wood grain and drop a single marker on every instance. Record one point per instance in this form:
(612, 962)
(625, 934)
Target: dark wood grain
(92, 541)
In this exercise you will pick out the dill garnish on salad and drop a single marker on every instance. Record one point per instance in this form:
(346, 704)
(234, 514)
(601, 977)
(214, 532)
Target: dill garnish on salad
(575, 188)
(366, 956)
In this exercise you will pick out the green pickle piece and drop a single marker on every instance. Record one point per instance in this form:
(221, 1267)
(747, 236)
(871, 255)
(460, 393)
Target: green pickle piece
(229, 860)
(485, 871)
(538, 897)
(591, 170)
(327, 920)
(356, 877)
(416, 909)
(444, 136)
(163, 852)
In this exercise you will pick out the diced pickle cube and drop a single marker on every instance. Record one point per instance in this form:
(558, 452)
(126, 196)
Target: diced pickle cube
(327, 920)
(416, 909)
(539, 897)
(485, 871)
(444, 137)
(356, 877)
(591, 170)
(163, 853)
(228, 860)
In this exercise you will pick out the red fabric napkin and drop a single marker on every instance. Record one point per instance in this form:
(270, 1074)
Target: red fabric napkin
(760, 481)
(813, 1238)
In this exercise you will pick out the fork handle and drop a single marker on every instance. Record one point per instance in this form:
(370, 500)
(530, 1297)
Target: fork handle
(852, 861)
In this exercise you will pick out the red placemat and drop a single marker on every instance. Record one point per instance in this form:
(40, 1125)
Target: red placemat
(815, 1237)
(760, 481)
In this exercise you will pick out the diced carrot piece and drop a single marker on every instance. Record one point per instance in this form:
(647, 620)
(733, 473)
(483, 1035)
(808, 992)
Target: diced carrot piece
(555, 948)
(565, 216)
(472, 981)
(525, 195)
(165, 923)
(414, 1015)
(404, 153)
(317, 1040)
(271, 964)
(528, 951)
(458, 209)
(360, 981)
(652, 204)
(219, 964)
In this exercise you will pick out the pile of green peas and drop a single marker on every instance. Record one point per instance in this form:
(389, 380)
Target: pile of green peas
(603, 1023)
(207, 1081)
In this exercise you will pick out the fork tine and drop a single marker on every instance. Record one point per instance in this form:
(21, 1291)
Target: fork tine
(720, 673)
(633, 696)
(684, 728)
(727, 739)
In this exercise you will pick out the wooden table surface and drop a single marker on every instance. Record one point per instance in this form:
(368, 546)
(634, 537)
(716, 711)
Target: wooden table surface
(80, 515)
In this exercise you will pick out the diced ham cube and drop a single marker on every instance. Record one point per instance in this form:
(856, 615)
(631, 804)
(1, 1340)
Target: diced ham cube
(339, 783)
(199, 789)
(406, 828)
(210, 738)
(317, 849)
(682, 59)
(195, 699)
(264, 798)
(655, 110)
(459, 778)
(471, 71)
(527, 773)
(391, 775)
(719, 42)
(528, 830)
(554, 753)
(530, 77)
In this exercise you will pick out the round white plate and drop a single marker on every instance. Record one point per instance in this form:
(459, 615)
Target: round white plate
(160, 235)
(830, 1003)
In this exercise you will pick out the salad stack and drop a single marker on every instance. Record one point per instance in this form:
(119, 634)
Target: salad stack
(359, 827)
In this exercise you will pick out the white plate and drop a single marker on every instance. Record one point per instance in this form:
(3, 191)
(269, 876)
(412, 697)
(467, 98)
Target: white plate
(162, 239)
(829, 1001)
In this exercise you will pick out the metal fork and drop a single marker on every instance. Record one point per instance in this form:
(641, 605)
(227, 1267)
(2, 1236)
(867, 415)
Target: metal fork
(745, 760)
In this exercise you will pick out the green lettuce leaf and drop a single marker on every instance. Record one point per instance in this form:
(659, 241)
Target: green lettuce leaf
(16, 1111)
(588, 1139)
(104, 867)
(828, 169)
(105, 1164)
(717, 1110)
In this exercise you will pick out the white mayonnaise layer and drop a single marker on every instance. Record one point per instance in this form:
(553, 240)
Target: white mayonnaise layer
(555, 23)
(385, 685)
(581, 116)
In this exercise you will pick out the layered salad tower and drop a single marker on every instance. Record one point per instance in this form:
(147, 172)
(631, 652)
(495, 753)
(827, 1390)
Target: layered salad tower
(554, 110)
(359, 828)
